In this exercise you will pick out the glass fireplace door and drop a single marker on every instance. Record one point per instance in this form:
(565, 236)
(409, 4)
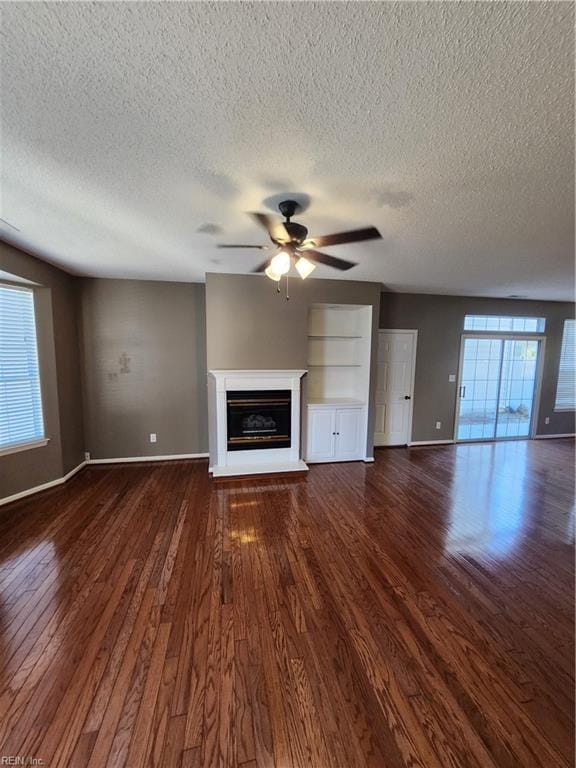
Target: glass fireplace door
(258, 419)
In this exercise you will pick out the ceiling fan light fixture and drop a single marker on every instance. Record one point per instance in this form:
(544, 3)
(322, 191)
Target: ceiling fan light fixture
(304, 267)
(292, 241)
(269, 272)
(280, 264)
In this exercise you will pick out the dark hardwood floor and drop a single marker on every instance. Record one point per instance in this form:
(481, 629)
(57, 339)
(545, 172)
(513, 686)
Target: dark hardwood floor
(413, 612)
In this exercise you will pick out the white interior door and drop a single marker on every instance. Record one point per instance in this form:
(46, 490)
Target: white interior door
(394, 387)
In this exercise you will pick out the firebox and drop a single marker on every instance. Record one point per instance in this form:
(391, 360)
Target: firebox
(258, 419)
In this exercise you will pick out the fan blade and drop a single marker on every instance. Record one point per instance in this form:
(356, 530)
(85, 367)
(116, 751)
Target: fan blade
(261, 247)
(262, 267)
(329, 261)
(355, 236)
(274, 227)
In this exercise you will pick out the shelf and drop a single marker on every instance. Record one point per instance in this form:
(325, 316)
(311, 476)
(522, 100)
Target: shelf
(338, 389)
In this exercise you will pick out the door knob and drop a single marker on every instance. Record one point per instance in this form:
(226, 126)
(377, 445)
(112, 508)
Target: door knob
(406, 397)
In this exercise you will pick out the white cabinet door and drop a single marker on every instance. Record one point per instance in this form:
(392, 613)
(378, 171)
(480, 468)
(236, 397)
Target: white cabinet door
(394, 385)
(348, 433)
(321, 434)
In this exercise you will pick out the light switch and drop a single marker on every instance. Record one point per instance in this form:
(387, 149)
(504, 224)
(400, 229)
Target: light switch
(452, 377)
(438, 424)
(152, 437)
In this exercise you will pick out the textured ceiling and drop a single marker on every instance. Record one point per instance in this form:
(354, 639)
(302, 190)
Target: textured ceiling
(135, 135)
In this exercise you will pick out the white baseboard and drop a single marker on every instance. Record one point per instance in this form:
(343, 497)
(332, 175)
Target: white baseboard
(129, 459)
(43, 487)
(430, 442)
(368, 459)
(550, 437)
(132, 459)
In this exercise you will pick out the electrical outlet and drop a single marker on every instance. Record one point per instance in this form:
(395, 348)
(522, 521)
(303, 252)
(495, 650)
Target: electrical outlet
(86, 455)
(452, 377)
(547, 420)
(152, 437)
(438, 424)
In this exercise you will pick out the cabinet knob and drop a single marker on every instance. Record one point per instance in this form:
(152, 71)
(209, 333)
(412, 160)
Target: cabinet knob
(406, 397)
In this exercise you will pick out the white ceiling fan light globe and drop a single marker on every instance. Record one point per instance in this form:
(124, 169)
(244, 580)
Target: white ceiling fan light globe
(269, 272)
(280, 264)
(305, 267)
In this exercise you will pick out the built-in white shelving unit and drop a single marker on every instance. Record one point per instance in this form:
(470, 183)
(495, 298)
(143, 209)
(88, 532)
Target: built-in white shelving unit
(339, 342)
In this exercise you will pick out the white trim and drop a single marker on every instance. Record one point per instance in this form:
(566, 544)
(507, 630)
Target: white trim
(127, 460)
(259, 469)
(549, 437)
(15, 281)
(17, 447)
(18, 285)
(414, 333)
(257, 373)
(430, 442)
(335, 460)
(43, 487)
(539, 378)
(132, 459)
(368, 459)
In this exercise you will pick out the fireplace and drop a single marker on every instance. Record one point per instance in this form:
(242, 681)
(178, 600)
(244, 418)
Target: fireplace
(254, 422)
(258, 419)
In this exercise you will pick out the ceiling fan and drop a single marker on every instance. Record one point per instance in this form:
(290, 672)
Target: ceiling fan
(294, 245)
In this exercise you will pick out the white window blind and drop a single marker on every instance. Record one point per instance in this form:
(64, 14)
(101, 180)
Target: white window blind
(21, 419)
(566, 389)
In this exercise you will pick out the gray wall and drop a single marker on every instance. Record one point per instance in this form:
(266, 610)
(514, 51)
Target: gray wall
(250, 325)
(144, 367)
(59, 358)
(440, 322)
(127, 357)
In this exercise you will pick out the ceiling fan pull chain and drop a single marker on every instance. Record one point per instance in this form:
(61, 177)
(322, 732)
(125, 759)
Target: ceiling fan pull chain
(287, 289)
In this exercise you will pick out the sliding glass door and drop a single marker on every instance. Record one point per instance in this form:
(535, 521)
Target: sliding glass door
(517, 388)
(496, 387)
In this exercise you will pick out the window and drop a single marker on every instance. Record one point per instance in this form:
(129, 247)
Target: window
(504, 323)
(566, 389)
(21, 419)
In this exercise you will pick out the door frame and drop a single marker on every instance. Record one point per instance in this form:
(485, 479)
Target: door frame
(414, 333)
(537, 389)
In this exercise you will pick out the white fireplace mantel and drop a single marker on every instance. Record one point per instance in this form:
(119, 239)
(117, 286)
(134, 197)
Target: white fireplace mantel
(229, 463)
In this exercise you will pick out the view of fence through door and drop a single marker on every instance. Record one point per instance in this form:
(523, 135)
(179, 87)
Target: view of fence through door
(497, 387)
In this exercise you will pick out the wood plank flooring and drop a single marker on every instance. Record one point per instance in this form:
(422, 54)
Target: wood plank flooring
(414, 612)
